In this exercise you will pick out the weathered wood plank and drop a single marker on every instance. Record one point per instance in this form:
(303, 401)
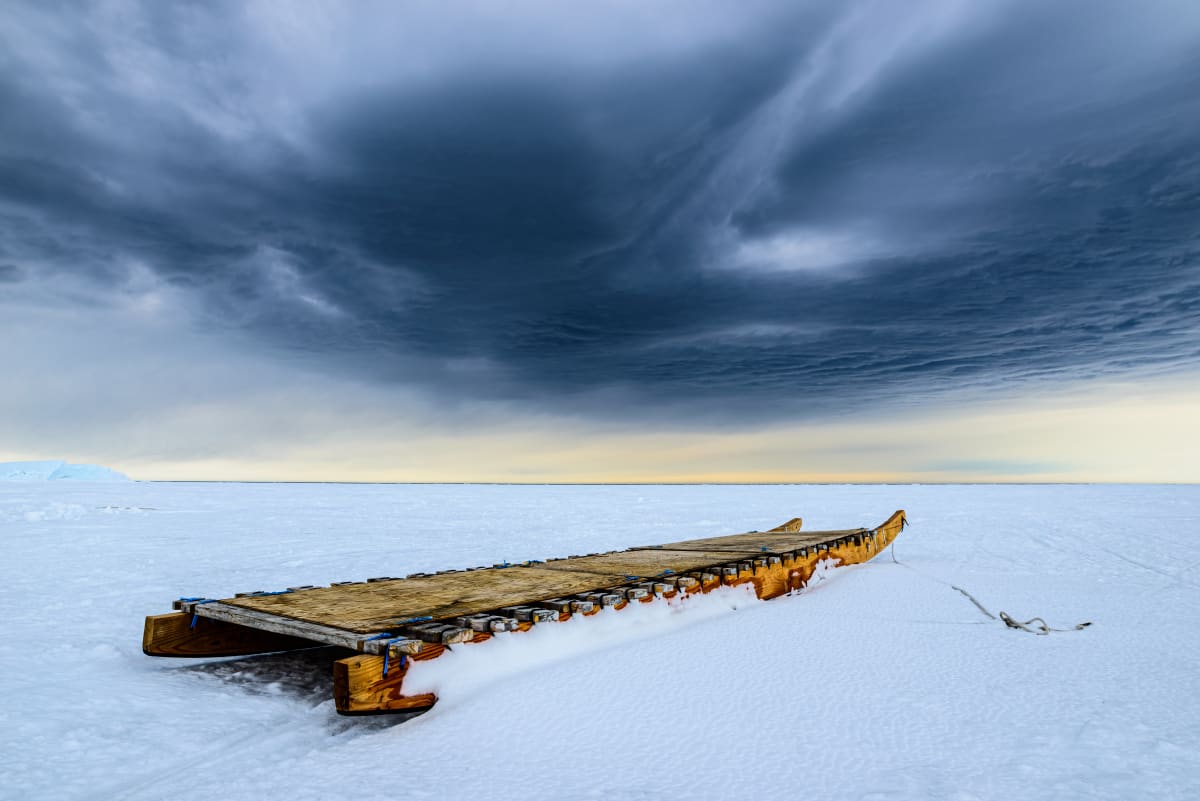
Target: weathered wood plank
(173, 634)
(754, 541)
(643, 563)
(325, 635)
(386, 605)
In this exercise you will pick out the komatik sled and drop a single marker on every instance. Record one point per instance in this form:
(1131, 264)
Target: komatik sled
(389, 626)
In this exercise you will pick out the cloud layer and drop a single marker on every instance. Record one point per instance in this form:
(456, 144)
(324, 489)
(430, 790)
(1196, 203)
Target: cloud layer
(716, 210)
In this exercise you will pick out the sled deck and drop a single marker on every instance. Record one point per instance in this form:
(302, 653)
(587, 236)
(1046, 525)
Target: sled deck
(389, 625)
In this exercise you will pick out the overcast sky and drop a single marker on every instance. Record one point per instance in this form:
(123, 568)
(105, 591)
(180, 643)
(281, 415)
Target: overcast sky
(603, 241)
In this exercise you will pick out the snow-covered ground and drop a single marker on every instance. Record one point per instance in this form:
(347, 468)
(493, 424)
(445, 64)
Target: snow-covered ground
(881, 682)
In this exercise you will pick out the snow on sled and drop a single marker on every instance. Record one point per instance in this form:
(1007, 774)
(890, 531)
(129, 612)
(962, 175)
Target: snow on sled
(387, 625)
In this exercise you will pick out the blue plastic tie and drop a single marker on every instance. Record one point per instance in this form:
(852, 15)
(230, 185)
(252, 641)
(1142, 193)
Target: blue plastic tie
(198, 601)
(387, 655)
(413, 620)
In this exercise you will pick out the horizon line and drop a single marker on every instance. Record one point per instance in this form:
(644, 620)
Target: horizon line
(663, 483)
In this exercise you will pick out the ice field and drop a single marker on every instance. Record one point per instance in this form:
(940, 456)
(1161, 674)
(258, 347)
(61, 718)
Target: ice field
(879, 682)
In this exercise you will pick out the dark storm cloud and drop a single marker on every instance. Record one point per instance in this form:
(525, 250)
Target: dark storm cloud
(822, 207)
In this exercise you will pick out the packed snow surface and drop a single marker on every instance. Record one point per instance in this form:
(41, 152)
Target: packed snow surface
(54, 470)
(881, 681)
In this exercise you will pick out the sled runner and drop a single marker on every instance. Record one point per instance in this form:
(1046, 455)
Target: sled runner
(387, 625)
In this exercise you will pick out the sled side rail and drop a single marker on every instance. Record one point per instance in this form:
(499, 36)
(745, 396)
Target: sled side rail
(181, 634)
(212, 628)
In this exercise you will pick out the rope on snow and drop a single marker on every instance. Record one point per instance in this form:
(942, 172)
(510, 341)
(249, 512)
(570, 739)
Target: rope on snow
(1035, 625)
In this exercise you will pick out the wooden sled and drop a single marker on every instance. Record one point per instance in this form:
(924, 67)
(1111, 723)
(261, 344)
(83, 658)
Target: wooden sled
(388, 624)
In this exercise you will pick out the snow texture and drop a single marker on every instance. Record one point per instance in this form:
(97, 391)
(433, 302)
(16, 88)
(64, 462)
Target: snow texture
(879, 682)
(54, 471)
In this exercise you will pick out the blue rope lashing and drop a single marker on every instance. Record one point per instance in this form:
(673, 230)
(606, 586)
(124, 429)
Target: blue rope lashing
(413, 620)
(387, 647)
(199, 601)
(387, 655)
(666, 572)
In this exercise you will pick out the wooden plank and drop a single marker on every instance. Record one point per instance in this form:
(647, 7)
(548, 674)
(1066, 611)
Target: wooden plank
(644, 563)
(326, 635)
(386, 605)
(173, 634)
(755, 541)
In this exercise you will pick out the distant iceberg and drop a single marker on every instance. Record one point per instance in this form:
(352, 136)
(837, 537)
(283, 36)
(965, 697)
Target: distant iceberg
(53, 471)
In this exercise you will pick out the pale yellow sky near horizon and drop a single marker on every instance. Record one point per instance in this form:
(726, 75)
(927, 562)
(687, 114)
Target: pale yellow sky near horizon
(1148, 432)
(86, 389)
